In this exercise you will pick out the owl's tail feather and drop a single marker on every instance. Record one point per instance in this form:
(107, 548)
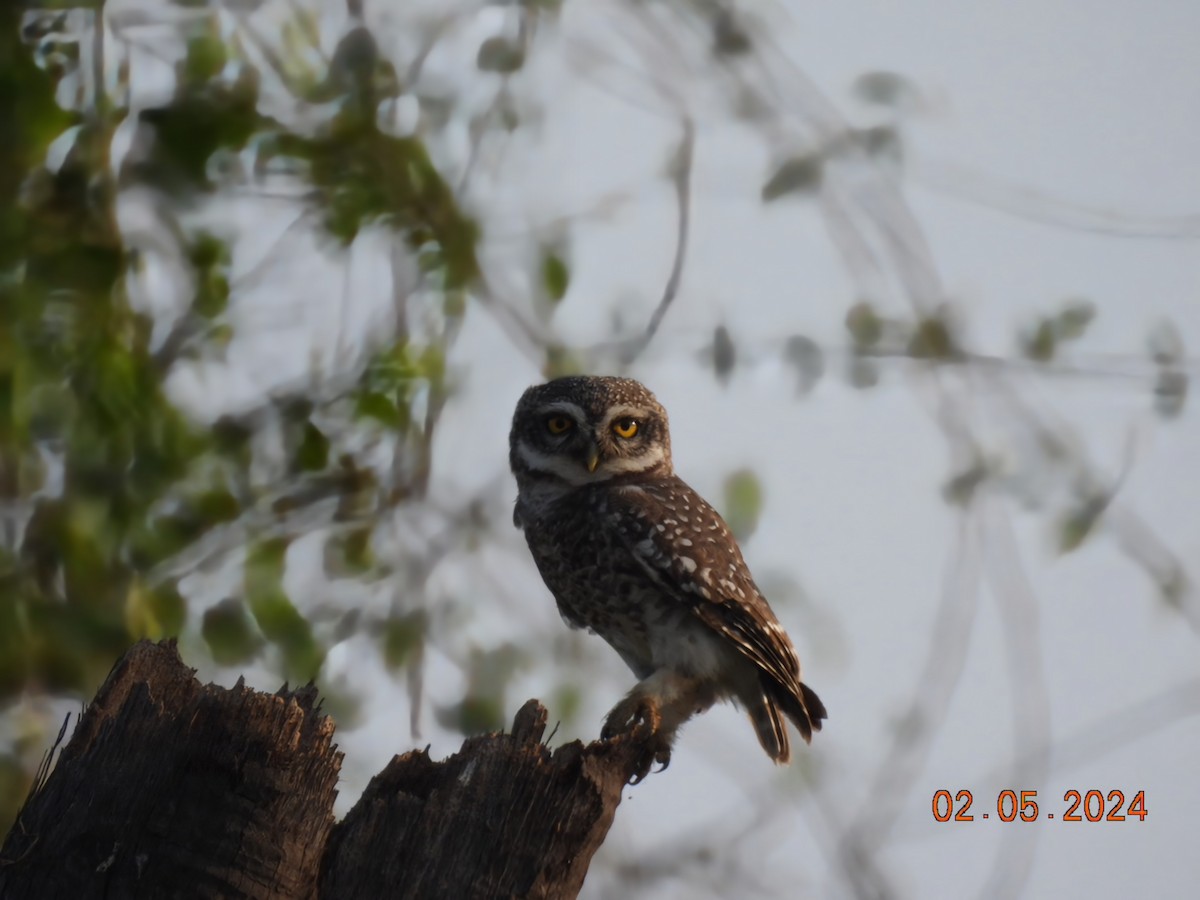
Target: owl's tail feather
(805, 710)
(771, 729)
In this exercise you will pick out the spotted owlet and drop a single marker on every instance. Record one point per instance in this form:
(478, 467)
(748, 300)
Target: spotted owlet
(635, 555)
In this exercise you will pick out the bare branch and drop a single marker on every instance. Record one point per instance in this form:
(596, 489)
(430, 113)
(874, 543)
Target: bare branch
(982, 189)
(1031, 702)
(1094, 741)
(682, 176)
(948, 645)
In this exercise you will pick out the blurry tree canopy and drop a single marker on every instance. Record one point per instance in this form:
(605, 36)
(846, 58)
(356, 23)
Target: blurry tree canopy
(110, 493)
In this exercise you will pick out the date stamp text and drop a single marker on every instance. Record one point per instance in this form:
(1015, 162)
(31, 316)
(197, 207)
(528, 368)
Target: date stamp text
(1011, 806)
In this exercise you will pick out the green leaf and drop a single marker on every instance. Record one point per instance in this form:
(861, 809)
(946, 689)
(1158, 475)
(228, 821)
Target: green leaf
(349, 553)
(798, 175)
(206, 57)
(568, 702)
(499, 54)
(960, 490)
(1079, 523)
(169, 608)
(209, 257)
(353, 66)
(556, 277)
(313, 453)
(882, 143)
(560, 361)
(474, 714)
(864, 325)
(729, 38)
(1074, 318)
(194, 125)
(342, 703)
(153, 614)
(1166, 348)
(140, 619)
(743, 503)
(372, 405)
(402, 636)
(431, 364)
(1170, 392)
(230, 634)
(1040, 344)
(280, 622)
(724, 354)
(488, 677)
(1073, 531)
(933, 339)
(885, 89)
(232, 438)
(216, 506)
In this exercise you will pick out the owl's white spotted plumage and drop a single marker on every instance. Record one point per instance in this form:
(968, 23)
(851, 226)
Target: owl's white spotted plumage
(631, 552)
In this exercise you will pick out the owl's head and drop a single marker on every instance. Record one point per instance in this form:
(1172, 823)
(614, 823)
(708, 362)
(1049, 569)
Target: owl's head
(585, 429)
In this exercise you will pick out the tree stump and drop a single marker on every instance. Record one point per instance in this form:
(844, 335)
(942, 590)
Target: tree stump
(170, 788)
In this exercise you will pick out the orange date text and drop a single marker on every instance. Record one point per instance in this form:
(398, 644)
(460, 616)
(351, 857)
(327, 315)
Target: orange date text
(1011, 806)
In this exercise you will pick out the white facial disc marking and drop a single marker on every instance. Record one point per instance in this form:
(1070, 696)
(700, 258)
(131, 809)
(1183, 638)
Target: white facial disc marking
(572, 472)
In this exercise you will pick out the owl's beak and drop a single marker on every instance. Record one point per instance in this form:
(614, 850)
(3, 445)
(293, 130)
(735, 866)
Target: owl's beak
(593, 457)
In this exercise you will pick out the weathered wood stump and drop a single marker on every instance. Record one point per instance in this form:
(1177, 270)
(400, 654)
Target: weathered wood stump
(170, 788)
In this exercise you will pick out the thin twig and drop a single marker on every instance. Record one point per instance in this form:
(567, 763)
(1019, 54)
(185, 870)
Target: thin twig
(1018, 607)
(682, 176)
(862, 868)
(527, 338)
(913, 740)
(436, 32)
(982, 189)
(1096, 740)
(100, 97)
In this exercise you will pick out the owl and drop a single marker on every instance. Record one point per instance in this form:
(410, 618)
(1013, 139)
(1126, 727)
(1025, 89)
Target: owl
(633, 554)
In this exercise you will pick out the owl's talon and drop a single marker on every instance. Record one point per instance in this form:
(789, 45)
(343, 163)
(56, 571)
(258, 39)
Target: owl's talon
(655, 751)
(636, 716)
(663, 758)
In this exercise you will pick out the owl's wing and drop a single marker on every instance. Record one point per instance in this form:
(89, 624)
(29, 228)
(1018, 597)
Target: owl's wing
(685, 546)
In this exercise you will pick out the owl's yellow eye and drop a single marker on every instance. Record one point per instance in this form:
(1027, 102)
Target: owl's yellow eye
(625, 428)
(559, 424)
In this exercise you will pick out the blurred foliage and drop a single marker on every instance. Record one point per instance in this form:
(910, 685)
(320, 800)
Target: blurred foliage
(1171, 384)
(1041, 342)
(556, 277)
(724, 354)
(796, 175)
(112, 496)
(483, 707)
(743, 503)
(807, 357)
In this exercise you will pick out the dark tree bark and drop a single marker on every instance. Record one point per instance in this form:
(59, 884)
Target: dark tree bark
(503, 817)
(170, 788)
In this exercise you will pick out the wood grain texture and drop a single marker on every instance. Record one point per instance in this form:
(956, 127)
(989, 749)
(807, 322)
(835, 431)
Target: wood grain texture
(170, 788)
(504, 817)
(173, 789)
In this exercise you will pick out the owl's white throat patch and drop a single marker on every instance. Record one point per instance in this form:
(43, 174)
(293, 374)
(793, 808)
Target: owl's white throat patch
(575, 474)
